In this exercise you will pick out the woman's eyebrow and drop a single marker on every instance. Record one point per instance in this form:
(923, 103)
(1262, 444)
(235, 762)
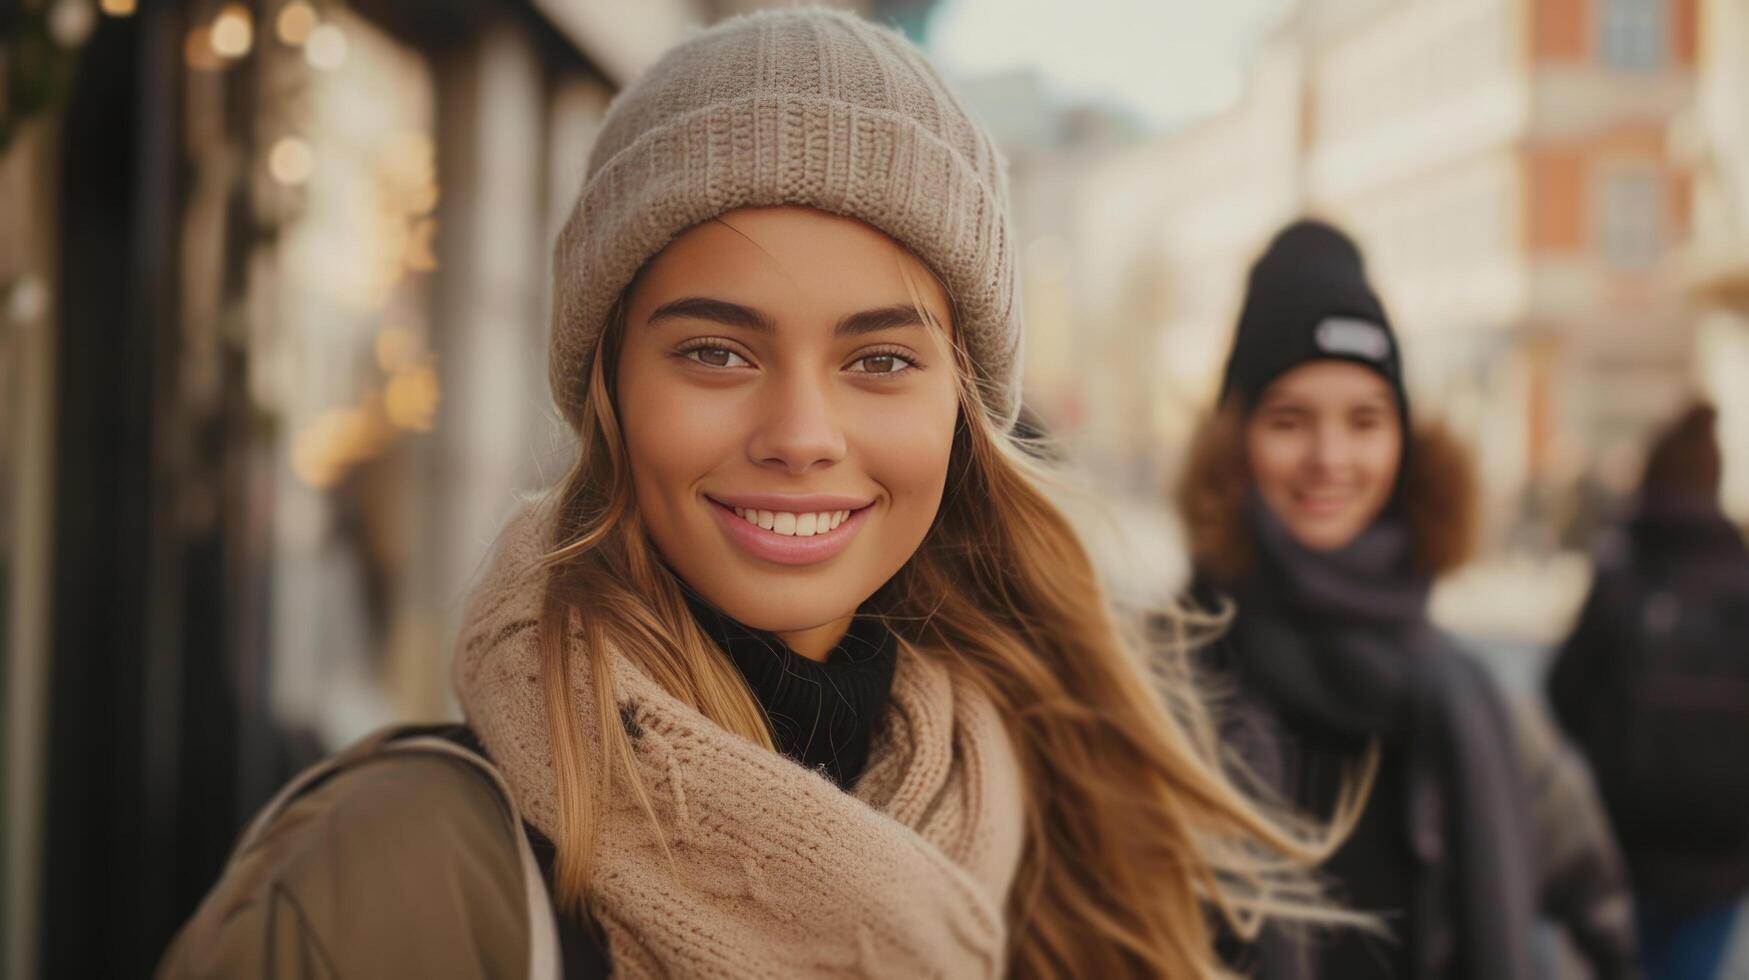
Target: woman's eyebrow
(748, 318)
(883, 318)
(717, 311)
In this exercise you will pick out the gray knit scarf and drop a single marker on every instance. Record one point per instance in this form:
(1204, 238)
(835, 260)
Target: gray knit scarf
(1340, 642)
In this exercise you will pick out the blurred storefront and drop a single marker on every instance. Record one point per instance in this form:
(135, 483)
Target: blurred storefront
(270, 416)
(273, 277)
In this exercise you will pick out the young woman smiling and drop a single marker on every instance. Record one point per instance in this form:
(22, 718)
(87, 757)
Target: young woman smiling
(797, 672)
(1314, 503)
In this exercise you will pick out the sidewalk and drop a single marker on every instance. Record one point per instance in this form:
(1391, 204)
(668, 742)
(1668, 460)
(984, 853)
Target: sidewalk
(1513, 611)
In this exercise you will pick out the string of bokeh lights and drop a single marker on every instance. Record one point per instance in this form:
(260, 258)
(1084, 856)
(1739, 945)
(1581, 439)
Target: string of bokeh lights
(336, 440)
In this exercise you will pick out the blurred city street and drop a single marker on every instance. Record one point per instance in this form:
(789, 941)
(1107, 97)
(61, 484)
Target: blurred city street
(275, 286)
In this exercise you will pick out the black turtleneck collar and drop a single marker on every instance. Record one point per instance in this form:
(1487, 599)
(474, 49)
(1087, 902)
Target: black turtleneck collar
(822, 713)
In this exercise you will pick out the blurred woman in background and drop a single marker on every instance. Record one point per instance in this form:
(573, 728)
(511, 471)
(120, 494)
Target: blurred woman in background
(1653, 684)
(797, 672)
(1315, 504)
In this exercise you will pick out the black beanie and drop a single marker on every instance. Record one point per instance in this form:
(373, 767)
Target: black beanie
(1307, 299)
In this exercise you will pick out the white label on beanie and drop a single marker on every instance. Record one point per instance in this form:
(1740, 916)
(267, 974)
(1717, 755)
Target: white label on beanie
(1348, 337)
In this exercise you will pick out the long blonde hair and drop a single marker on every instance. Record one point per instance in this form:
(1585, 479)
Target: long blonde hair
(1135, 831)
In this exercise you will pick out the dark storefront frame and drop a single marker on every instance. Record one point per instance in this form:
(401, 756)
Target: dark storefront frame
(159, 741)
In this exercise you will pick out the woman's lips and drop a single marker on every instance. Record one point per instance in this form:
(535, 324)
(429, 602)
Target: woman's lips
(1323, 505)
(807, 503)
(790, 549)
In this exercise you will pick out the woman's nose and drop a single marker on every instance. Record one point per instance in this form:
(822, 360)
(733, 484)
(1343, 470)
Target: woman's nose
(798, 427)
(1330, 448)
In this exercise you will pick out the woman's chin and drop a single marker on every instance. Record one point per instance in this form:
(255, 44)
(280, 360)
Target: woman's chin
(1325, 534)
(785, 615)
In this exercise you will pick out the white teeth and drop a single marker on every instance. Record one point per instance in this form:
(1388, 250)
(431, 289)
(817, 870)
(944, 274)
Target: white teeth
(793, 525)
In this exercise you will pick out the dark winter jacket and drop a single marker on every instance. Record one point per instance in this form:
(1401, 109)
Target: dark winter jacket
(1305, 721)
(1393, 863)
(1477, 818)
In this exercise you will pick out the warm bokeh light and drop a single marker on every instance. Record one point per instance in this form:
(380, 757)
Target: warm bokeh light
(197, 50)
(408, 155)
(70, 22)
(233, 32)
(296, 22)
(311, 461)
(421, 257)
(397, 347)
(290, 161)
(26, 301)
(411, 398)
(359, 433)
(422, 199)
(119, 8)
(337, 440)
(326, 47)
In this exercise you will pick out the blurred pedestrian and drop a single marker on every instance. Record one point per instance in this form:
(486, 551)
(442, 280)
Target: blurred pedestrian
(798, 672)
(1653, 683)
(1317, 506)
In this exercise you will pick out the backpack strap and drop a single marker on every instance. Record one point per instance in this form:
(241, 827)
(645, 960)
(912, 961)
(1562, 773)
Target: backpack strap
(543, 953)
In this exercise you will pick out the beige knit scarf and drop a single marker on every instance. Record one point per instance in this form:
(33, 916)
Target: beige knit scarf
(775, 871)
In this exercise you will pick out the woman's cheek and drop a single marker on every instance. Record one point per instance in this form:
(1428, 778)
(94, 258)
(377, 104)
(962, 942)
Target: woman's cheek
(1385, 455)
(674, 434)
(1274, 457)
(907, 444)
(1380, 455)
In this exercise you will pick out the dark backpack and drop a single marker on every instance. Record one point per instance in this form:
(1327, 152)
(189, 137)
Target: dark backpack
(1670, 744)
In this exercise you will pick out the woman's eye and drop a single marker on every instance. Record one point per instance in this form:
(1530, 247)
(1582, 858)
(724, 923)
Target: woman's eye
(881, 364)
(718, 357)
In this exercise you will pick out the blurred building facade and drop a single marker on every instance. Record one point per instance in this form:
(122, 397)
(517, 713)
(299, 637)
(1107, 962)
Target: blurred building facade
(1504, 163)
(1715, 136)
(1506, 166)
(1070, 336)
(274, 280)
(1214, 193)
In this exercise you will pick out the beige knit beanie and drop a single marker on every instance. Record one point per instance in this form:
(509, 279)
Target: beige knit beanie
(807, 107)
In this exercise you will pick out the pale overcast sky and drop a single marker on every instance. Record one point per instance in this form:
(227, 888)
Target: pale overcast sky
(1166, 60)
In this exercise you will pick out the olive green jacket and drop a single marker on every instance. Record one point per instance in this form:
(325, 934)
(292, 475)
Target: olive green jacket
(402, 857)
